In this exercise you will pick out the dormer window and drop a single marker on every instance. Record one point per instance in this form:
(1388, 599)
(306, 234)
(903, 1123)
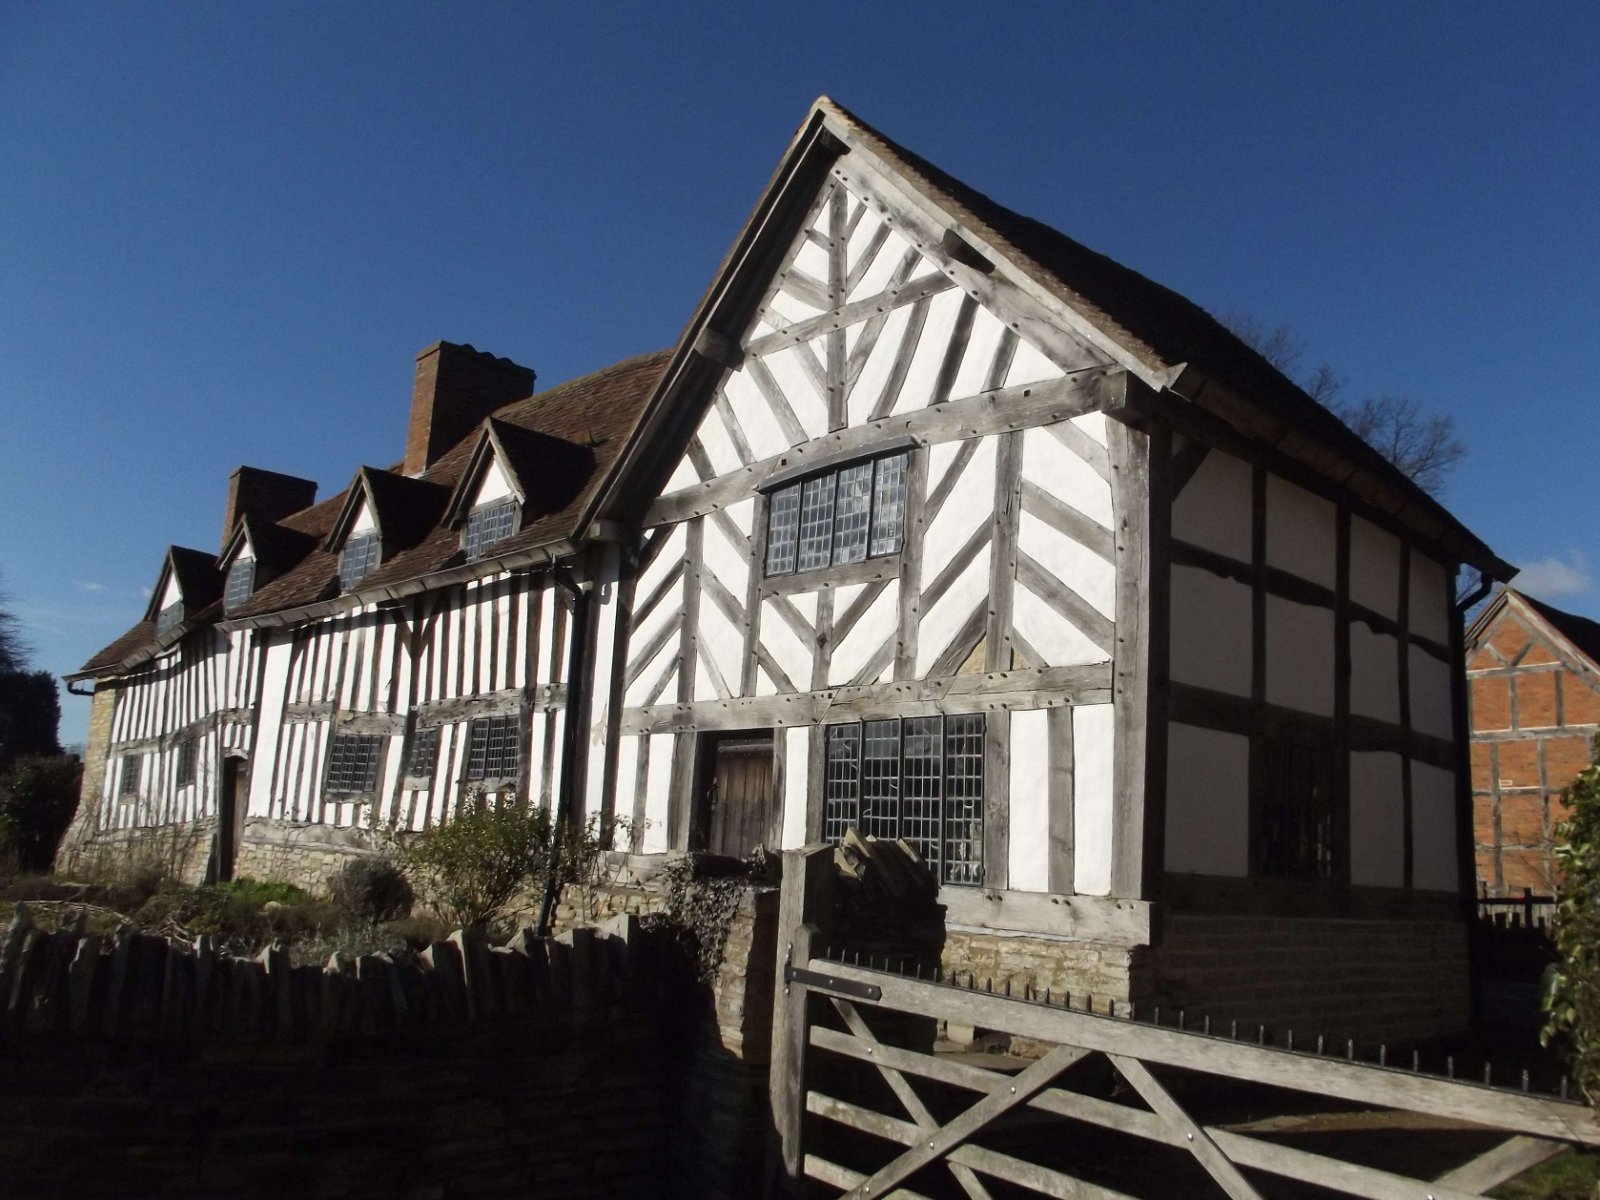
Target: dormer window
(487, 525)
(169, 618)
(241, 582)
(360, 554)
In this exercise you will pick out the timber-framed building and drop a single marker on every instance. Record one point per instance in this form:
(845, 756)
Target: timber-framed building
(934, 524)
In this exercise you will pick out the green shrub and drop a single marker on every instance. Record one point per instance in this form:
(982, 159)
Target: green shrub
(1572, 996)
(373, 890)
(37, 799)
(468, 869)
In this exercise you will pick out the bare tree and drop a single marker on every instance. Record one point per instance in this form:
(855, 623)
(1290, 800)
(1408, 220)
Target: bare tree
(14, 652)
(1422, 445)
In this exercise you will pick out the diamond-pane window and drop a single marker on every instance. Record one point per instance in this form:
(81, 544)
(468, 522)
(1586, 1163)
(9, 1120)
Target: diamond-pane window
(184, 771)
(487, 526)
(360, 554)
(128, 781)
(918, 778)
(424, 753)
(494, 747)
(353, 763)
(844, 516)
(169, 618)
(241, 582)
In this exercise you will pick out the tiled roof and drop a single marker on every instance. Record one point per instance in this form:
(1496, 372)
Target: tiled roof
(594, 413)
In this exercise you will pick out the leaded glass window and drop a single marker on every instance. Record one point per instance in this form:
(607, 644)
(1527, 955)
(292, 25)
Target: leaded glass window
(353, 763)
(360, 554)
(128, 780)
(169, 618)
(241, 582)
(493, 747)
(487, 526)
(1297, 810)
(184, 771)
(424, 753)
(844, 516)
(917, 778)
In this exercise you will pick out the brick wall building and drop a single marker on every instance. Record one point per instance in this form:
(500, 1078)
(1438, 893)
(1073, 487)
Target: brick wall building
(1534, 674)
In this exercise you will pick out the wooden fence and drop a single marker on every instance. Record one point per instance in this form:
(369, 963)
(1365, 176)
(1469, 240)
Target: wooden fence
(903, 1121)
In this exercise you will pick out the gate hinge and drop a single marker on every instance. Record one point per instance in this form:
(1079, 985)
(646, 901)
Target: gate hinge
(829, 983)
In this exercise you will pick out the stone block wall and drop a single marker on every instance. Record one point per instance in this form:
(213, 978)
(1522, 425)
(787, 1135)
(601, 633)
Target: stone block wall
(306, 855)
(1091, 972)
(1375, 981)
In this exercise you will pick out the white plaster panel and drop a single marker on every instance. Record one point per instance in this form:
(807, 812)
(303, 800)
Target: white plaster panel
(929, 355)
(1433, 829)
(805, 603)
(1210, 631)
(860, 238)
(494, 485)
(924, 268)
(969, 505)
(1374, 674)
(1299, 656)
(785, 646)
(671, 553)
(658, 793)
(1374, 568)
(725, 560)
(1301, 535)
(171, 594)
(878, 367)
(764, 684)
(1029, 868)
(973, 374)
(940, 456)
(939, 624)
(1429, 598)
(1028, 365)
(791, 308)
(363, 519)
(1208, 802)
(1059, 471)
(1060, 641)
(761, 428)
(1430, 695)
(704, 689)
(812, 259)
(844, 596)
(1377, 821)
(810, 406)
(1214, 509)
(718, 444)
(796, 764)
(627, 778)
(1094, 424)
(875, 627)
(724, 641)
(1080, 568)
(683, 476)
(1092, 757)
(743, 514)
(882, 269)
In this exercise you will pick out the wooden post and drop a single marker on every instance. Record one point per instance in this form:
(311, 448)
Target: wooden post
(803, 906)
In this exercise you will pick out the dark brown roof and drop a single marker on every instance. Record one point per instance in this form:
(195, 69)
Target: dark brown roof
(594, 414)
(196, 572)
(1583, 633)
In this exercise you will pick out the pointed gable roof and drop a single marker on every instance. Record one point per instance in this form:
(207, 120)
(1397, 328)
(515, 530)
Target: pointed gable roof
(1176, 348)
(199, 585)
(1578, 636)
(275, 547)
(544, 470)
(403, 509)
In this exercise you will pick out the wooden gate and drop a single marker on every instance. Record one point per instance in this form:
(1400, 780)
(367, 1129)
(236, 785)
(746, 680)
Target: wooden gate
(932, 1125)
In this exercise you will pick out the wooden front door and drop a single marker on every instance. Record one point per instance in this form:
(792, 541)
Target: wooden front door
(738, 807)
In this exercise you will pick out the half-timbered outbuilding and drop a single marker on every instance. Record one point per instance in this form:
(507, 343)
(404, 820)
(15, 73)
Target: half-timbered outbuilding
(1534, 673)
(936, 525)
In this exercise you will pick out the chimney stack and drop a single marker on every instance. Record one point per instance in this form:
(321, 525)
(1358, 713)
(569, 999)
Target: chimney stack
(456, 387)
(264, 496)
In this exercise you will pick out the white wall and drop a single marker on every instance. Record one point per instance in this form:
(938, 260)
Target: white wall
(1092, 738)
(1299, 649)
(1301, 535)
(1029, 866)
(1214, 509)
(1433, 829)
(1377, 821)
(1211, 622)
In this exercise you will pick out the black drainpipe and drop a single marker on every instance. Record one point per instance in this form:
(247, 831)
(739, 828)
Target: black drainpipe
(572, 730)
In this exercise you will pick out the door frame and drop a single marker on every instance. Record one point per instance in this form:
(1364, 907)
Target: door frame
(705, 765)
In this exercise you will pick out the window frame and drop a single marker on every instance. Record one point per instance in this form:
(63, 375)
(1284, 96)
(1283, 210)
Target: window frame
(128, 777)
(471, 773)
(333, 790)
(367, 537)
(169, 618)
(1321, 859)
(185, 765)
(423, 734)
(799, 485)
(229, 600)
(841, 812)
(482, 512)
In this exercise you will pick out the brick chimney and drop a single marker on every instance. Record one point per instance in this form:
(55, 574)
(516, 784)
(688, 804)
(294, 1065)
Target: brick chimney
(456, 387)
(265, 496)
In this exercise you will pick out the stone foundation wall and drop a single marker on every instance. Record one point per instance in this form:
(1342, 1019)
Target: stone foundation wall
(1374, 981)
(306, 855)
(179, 851)
(1096, 973)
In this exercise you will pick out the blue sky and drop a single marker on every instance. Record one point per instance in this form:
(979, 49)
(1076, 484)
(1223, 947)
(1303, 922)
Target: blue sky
(225, 230)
